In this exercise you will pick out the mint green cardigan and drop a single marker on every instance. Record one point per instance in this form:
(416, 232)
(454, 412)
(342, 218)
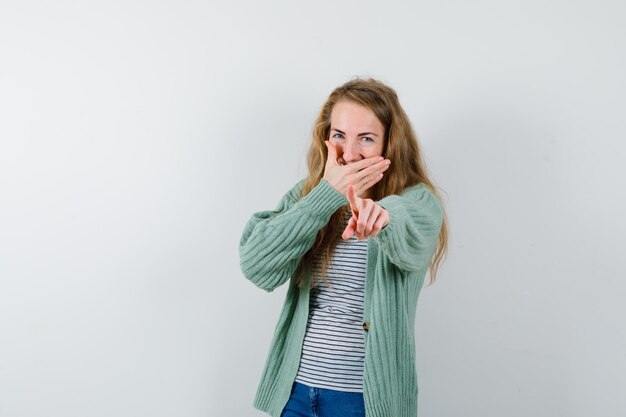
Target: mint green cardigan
(272, 244)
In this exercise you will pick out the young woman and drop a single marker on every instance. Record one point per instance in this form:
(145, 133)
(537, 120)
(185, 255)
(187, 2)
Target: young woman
(355, 240)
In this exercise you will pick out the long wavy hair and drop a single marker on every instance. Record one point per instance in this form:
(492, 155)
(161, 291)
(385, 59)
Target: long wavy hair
(400, 146)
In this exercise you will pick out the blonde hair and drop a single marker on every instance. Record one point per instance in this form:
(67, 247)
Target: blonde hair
(400, 146)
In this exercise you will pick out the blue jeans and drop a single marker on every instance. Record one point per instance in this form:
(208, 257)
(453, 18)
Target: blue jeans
(307, 401)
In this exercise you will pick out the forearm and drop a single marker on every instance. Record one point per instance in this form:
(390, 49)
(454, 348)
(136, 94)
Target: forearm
(411, 235)
(273, 243)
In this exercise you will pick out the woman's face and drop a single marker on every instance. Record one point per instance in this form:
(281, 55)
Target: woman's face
(356, 132)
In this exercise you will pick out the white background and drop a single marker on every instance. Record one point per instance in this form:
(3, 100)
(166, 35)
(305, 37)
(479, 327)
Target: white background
(137, 138)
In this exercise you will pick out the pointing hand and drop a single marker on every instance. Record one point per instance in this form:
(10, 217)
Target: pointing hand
(368, 218)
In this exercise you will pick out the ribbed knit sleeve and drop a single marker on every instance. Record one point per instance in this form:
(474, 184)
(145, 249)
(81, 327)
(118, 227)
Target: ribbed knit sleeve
(273, 242)
(410, 238)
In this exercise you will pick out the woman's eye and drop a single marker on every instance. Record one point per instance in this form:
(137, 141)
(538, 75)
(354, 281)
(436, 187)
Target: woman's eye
(338, 136)
(367, 139)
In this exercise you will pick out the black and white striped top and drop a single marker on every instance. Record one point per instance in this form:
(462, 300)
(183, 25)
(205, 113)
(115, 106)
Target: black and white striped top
(333, 352)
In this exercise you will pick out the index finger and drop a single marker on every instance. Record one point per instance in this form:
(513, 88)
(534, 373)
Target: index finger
(364, 163)
(332, 151)
(352, 199)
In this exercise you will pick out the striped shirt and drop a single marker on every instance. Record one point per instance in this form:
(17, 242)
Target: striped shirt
(333, 352)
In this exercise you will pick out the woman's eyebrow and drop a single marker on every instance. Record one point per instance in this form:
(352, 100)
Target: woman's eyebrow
(360, 134)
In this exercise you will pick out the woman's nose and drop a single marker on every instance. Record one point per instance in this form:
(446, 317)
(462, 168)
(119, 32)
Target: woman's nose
(351, 152)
